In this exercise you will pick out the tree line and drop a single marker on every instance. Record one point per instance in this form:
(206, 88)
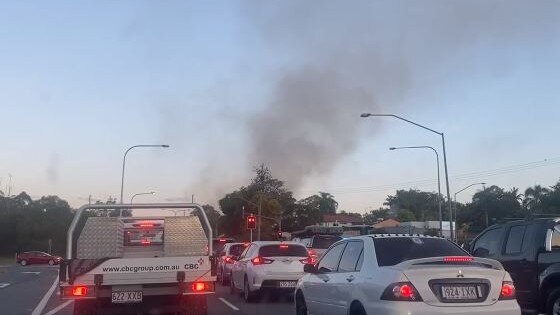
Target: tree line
(27, 224)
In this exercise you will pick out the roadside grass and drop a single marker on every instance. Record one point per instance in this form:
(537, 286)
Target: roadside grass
(6, 260)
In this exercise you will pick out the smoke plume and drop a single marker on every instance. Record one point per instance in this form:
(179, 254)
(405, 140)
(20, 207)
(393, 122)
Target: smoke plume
(344, 57)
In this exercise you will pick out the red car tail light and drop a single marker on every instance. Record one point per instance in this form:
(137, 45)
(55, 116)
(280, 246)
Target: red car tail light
(401, 291)
(261, 261)
(309, 261)
(508, 291)
(228, 260)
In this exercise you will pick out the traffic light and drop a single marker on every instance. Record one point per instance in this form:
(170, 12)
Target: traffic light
(251, 222)
(279, 234)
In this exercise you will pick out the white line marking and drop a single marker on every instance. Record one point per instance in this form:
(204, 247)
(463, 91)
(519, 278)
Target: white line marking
(3, 285)
(41, 306)
(59, 308)
(34, 272)
(233, 307)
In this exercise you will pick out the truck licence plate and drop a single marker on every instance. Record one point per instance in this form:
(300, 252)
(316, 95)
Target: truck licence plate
(459, 292)
(288, 284)
(126, 297)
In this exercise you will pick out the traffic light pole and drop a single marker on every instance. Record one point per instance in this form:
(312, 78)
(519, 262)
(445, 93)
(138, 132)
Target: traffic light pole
(251, 235)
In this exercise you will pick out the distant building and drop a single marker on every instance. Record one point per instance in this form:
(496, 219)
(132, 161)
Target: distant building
(342, 219)
(389, 223)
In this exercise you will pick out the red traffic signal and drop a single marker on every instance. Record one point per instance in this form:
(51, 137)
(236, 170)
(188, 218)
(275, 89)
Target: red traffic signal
(251, 222)
(279, 234)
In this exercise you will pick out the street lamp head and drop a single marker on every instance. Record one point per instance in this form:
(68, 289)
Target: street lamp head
(365, 115)
(392, 148)
(165, 145)
(483, 183)
(152, 192)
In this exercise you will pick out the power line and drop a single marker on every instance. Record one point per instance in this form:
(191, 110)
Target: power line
(460, 177)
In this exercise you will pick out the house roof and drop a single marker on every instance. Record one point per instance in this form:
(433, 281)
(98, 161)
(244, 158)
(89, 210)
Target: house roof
(387, 223)
(343, 218)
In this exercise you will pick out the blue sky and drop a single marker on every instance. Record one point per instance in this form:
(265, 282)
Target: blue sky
(80, 82)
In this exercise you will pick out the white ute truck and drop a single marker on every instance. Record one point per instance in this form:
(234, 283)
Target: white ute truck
(138, 265)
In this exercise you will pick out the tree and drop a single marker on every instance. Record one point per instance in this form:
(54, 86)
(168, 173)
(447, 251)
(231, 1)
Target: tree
(327, 204)
(406, 216)
(534, 197)
(374, 216)
(423, 205)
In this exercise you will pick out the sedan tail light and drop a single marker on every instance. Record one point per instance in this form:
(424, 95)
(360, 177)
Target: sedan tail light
(309, 260)
(261, 261)
(228, 259)
(401, 291)
(508, 291)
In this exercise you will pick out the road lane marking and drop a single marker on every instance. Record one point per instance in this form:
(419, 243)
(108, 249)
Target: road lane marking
(59, 308)
(41, 306)
(34, 272)
(233, 307)
(3, 285)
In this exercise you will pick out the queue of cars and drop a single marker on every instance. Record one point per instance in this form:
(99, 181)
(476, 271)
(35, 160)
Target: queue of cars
(375, 274)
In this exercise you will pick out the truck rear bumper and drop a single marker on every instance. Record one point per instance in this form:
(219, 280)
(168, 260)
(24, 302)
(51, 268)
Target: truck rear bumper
(150, 305)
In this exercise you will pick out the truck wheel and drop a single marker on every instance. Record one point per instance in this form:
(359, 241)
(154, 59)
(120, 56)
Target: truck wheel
(553, 302)
(84, 307)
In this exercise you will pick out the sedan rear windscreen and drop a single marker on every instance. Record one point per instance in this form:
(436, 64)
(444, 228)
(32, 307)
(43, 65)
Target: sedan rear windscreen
(236, 250)
(283, 250)
(393, 251)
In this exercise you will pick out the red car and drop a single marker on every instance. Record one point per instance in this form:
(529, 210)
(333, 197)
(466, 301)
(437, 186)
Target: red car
(27, 258)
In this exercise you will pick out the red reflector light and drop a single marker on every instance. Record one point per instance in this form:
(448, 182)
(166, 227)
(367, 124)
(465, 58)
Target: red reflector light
(79, 291)
(146, 225)
(458, 259)
(222, 240)
(198, 286)
(146, 242)
(508, 291)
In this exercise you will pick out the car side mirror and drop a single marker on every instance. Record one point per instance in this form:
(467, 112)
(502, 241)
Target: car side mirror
(309, 268)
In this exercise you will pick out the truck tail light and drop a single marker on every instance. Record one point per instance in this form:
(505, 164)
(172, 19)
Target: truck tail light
(401, 291)
(198, 287)
(508, 291)
(79, 291)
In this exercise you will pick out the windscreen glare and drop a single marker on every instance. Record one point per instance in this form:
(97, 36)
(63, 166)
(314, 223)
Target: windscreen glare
(393, 251)
(283, 250)
(324, 241)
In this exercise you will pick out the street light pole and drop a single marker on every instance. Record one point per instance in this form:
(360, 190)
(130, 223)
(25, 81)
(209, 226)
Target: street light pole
(455, 199)
(124, 160)
(365, 115)
(438, 180)
(140, 194)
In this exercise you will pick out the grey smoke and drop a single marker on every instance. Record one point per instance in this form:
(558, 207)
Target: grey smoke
(347, 56)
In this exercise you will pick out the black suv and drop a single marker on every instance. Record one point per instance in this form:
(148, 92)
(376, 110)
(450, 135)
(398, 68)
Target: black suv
(530, 251)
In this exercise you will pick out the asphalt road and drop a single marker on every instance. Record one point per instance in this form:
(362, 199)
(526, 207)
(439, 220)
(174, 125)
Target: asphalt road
(32, 290)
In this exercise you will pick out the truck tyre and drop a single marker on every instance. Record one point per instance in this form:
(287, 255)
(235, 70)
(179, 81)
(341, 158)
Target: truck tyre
(553, 302)
(84, 307)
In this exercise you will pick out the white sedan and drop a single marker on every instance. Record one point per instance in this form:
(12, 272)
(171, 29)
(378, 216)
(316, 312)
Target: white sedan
(404, 275)
(268, 266)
